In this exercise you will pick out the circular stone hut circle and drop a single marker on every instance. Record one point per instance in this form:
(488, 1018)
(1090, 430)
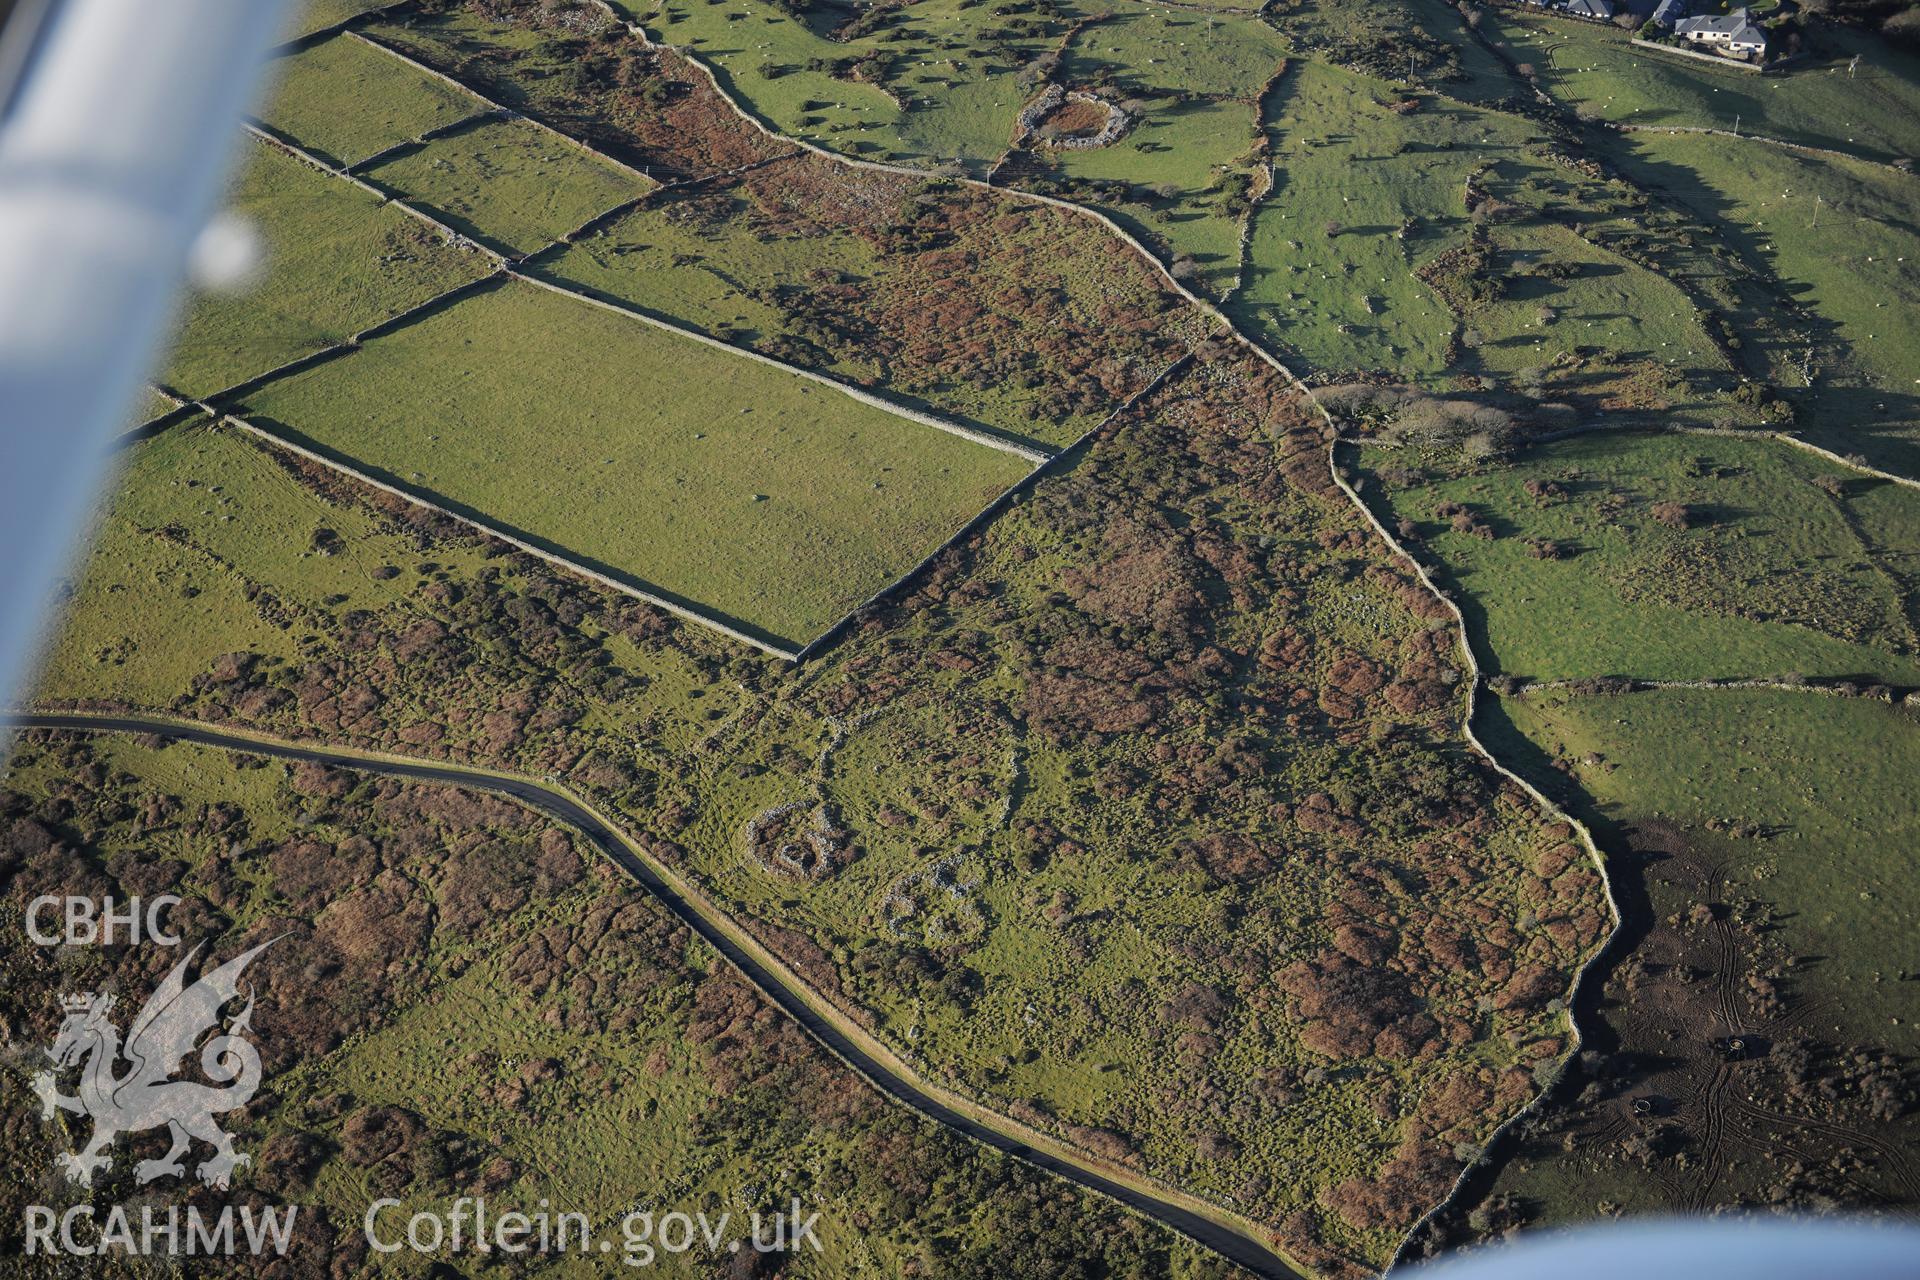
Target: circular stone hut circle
(1073, 121)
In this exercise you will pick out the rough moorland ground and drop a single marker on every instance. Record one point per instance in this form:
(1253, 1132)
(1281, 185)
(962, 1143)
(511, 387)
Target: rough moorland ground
(1023, 318)
(930, 83)
(1302, 808)
(465, 1000)
(1069, 869)
(1090, 619)
(1018, 318)
(646, 107)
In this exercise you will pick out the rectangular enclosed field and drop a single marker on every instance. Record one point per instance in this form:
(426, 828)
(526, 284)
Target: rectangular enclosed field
(749, 495)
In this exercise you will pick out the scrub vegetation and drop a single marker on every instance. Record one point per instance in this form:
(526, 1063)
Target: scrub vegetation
(465, 1000)
(1021, 320)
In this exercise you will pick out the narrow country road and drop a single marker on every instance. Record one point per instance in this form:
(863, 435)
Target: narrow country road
(797, 1001)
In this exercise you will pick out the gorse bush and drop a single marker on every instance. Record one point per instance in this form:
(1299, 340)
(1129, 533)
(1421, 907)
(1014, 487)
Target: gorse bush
(1400, 413)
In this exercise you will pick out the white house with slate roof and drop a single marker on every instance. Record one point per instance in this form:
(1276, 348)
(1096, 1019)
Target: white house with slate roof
(1735, 33)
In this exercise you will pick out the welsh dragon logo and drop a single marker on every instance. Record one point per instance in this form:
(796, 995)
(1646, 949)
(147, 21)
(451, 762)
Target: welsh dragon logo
(145, 1095)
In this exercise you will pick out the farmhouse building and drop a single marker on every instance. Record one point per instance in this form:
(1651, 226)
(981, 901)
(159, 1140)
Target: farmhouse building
(1668, 13)
(1734, 33)
(1601, 9)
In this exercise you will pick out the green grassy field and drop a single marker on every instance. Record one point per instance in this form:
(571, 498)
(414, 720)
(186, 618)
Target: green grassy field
(390, 101)
(945, 83)
(765, 55)
(942, 81)
(507, 183)
(1178, 164)
(252, 557)
(1772, 836)
(749, 492)
(1827, 777)
(337, 262)
(1590, 298)
(1854, 260)
(312, 15)
(1776, 576)
(243, 557)
(1875, 112)
(105, 647)
(1349, 300)
(1141, 48)
(1568, 291)
(1192, 83)
(150, 405)
(986, 308)
(705, 261)
(1006, 316)
(1393, 37)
